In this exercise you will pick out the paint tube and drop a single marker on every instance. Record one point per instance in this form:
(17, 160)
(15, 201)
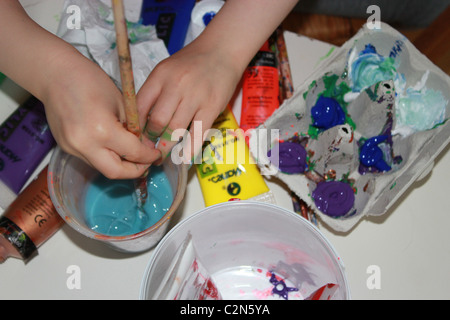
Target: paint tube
(25, 139)
(171, 18)
(29, 221)
(260, 87)
(228, 171)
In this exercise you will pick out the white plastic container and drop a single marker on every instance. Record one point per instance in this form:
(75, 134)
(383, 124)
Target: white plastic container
(239, 243)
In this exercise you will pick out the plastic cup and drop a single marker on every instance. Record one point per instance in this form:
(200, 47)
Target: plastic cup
(68, 179)
(239, 243)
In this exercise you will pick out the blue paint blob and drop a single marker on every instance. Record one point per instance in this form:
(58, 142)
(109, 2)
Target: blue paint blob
(371, 154)
(112, 208)
(327, 113)
(368, 49)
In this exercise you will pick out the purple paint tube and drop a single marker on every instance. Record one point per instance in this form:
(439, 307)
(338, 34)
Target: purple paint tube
(25, 139)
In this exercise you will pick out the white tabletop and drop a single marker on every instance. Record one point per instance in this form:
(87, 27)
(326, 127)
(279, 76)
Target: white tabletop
(408, 247)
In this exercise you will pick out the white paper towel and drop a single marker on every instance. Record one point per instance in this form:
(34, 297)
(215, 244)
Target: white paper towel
(95, 38)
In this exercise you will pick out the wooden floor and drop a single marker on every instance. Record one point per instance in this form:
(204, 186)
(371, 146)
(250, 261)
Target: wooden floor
(434, 41)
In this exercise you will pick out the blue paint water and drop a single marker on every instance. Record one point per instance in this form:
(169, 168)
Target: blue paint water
(111, 205)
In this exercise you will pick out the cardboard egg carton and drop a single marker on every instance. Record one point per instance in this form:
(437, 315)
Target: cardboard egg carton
(372, 111)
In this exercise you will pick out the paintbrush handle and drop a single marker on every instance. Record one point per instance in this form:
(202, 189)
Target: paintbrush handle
(126, 68)
(128, 91)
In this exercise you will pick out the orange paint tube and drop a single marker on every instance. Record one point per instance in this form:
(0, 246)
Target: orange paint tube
(29, 221)
(260, 88)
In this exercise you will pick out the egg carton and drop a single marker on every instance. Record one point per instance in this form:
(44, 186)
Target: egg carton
(381, 81)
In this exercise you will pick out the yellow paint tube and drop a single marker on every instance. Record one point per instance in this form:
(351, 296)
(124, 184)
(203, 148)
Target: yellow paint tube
(228, 171)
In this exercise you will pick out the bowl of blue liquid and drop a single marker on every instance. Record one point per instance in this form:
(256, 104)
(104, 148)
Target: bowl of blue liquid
(108, 210)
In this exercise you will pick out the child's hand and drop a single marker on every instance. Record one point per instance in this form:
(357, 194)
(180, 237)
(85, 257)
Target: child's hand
(194, 84)
(85, 113)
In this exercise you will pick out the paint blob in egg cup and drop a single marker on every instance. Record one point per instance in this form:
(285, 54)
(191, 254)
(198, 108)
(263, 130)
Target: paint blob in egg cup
(370, 121)
(88, 202)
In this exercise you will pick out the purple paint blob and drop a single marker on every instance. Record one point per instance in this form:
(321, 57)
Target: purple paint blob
(292, 157)
(280, 288)
(25, 139)
(334, 198)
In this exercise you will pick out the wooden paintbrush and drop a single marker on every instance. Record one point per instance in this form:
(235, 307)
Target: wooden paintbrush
(128, 90)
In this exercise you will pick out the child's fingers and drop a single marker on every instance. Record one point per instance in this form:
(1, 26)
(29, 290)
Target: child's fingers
(122, 156)
(145, 100)
(176, 128)
(192, 142)
(112, 166)
(130, 148)
(160, 115)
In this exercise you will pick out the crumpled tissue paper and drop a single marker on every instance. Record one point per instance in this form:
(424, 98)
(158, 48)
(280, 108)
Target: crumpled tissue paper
(95, 37)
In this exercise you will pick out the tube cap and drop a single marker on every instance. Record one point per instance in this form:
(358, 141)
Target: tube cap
(19, 240)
